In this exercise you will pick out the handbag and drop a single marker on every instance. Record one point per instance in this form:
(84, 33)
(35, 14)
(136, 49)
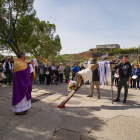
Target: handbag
(3, 76)
(0, 77)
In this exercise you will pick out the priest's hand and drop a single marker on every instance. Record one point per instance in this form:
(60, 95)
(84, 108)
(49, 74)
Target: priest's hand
(38, 57)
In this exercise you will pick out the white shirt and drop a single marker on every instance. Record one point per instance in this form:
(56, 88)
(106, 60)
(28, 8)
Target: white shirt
(10, 68)
(32, 67)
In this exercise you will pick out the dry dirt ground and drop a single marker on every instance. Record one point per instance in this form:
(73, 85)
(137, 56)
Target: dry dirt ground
(82, 119)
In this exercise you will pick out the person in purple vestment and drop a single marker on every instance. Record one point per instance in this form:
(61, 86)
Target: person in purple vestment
(22, 84)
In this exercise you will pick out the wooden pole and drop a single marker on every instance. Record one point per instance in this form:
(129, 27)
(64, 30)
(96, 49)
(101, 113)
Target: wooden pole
(111, 84)
(62, 105)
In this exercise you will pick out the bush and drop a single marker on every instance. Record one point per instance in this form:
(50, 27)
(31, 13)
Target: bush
(124, 51)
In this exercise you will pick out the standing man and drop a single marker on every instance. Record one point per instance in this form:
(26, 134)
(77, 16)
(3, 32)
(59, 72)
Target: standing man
(82, 67)
(95, 80)
(67, 73)
(48, 71)
(75, 69)
(8, 67)
(41, 73)
(125, 71)
(22, 84)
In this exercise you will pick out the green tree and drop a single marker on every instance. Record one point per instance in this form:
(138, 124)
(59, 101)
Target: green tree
(43, 42)
(21, 23)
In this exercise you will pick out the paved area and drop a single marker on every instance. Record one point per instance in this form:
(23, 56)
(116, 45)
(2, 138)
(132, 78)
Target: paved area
(82, 119)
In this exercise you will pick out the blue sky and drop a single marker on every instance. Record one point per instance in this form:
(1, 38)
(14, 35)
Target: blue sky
(83, 24)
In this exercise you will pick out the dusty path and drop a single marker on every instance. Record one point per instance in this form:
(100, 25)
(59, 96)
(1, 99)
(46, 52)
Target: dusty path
(82, 119)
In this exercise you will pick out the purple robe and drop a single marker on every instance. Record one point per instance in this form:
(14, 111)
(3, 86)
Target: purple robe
(22, 85)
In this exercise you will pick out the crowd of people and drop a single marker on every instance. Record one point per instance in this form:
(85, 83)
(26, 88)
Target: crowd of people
(124, 74)
(44, 73)
(55, 73)
(7, 67)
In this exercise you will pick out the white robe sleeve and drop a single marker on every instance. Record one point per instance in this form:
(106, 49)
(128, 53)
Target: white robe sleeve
(31, 68)
(35, 62)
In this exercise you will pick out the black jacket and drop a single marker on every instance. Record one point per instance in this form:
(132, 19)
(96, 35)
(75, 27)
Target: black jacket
(7, 66)
(125, 70)
(95, 75)
(68, 70)
(48, 69)
(82, 68)
(40, 67)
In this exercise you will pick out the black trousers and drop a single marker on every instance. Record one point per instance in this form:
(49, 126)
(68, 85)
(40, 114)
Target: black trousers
(134, 83)
(2, 82)
(73, 76)
(58, 78)
(113, 78)
(131, 83)
(67, 78)
(61, 78)
(41, 78)
(123, 82)
(8, 74)
(116, 81)
(48, 79)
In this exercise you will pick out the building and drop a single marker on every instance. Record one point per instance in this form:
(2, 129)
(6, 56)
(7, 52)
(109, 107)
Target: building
(109, 46)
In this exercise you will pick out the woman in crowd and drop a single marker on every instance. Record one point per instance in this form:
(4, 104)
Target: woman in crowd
(53, 67)
(136, 72)
(61, 71)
